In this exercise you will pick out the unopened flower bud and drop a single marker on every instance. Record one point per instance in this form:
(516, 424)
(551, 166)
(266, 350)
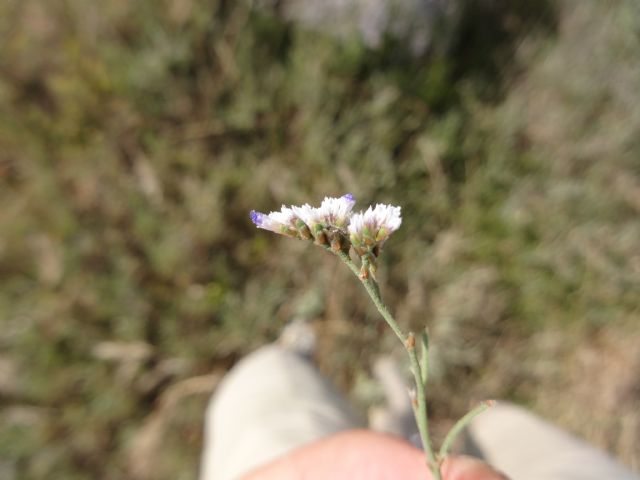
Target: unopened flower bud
(355, 241)
(303, 230)
(413, 396)
(382, 234)
(336, 244)
(321, 239)
(364, 272)
(410, 342)
(367, 235)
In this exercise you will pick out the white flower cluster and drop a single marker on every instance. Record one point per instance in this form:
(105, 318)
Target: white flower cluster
(334, 224)
(370, 229)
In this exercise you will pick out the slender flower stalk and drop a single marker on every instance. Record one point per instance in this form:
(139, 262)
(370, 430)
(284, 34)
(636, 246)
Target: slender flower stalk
(408, 341)
(334, 227)
(461, 424)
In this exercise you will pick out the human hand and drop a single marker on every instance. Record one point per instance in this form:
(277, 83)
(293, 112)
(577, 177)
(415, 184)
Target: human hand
(365, 455)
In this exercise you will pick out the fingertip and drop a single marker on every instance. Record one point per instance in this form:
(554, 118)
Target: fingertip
(469, 468)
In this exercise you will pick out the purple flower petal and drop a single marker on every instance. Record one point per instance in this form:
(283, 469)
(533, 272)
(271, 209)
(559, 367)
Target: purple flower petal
(257, 218)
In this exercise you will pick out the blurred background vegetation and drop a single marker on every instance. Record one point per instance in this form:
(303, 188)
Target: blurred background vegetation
(136, 136)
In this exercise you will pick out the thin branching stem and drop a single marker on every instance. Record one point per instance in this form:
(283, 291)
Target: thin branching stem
(420, 410)
(374, 293)
(408, 341)
(460, 425)
(424, 356)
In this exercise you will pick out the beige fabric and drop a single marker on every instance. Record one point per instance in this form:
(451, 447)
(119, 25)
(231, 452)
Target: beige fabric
(275, 401)
(272, 402)
(527, 448)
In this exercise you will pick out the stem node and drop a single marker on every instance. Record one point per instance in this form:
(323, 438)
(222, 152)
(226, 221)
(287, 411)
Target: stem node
(410, 342)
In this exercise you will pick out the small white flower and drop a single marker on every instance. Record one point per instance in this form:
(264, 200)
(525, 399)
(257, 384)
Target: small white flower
(333, 212)
(373, 227)
(282, 222)
(336, 212)
(309, 215)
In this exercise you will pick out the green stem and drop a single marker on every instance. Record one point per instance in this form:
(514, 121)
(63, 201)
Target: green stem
(420, 410)
(460, 425)
(424, 356)
(408, 341)
(374, 293)
(347, 259)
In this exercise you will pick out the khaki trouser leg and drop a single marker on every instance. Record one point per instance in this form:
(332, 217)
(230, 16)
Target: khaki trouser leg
(527, 448)
(275, 401)
(272, 402)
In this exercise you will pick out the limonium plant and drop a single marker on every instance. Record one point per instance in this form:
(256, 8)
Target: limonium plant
(357, 239)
